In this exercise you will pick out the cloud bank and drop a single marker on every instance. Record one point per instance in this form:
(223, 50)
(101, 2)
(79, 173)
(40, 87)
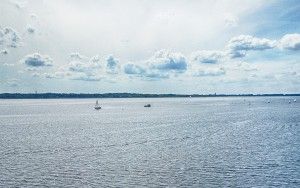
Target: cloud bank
(165, 64)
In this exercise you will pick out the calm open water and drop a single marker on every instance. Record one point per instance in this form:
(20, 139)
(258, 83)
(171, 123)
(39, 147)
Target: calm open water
(178, 142)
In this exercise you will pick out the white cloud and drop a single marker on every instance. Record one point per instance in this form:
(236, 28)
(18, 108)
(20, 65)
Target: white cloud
(161, 65)
(166, 61)
(37, 60)
(133, 69)
(79, 63)
(79, 67)
(205, 56)
(238, 46)
(9, 38)
(145, 73)
(290, 42)
(112, 65)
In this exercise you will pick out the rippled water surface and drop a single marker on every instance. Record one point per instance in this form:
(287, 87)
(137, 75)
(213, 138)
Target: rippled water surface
(197, 142)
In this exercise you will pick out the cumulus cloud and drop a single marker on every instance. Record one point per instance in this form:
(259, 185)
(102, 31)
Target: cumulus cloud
(9, 38)
(133, 69)
(37, 60)
(112, 65)
(79, 67)
(204, 56)
(79, 63)
(290, 42)
(238, 46)
(247, 42)
(144, 72)
(167, 61)
(82, 68)
(161, 65)
(210, 72)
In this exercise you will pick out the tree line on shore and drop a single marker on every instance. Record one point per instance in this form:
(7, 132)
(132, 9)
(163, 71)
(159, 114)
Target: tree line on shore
(120, 95)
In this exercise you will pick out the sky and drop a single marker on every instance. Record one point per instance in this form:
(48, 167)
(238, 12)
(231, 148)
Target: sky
(150, 46)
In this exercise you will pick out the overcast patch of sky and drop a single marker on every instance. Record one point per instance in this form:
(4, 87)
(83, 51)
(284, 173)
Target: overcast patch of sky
(134, 30)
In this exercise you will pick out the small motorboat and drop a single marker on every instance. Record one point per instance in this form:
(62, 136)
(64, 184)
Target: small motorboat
(295, 100)
(147, 105)
(97, 106)
(289, 101)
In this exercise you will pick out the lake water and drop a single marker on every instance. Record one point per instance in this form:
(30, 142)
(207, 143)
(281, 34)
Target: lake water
(178, 142)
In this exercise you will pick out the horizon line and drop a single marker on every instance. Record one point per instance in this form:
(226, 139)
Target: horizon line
(50, 95)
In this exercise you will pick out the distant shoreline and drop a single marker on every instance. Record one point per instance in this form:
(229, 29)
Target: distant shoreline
(124, 95)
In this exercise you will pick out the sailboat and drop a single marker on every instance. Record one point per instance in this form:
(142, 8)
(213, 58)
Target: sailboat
(97, 106)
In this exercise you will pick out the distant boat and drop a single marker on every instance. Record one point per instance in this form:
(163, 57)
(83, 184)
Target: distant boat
(147, 105)
(269, 101)
(289, 101)
(295, 100)
(97, 106)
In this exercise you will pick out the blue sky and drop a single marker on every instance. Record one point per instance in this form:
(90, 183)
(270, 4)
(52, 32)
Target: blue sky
(225, 46)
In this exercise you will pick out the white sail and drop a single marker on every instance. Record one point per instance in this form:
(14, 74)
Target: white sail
(97, 106)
